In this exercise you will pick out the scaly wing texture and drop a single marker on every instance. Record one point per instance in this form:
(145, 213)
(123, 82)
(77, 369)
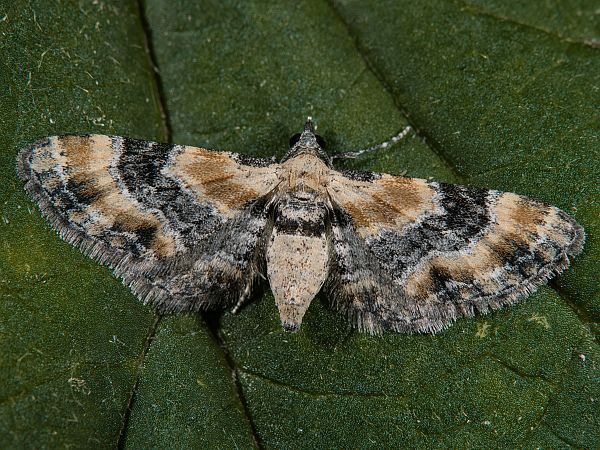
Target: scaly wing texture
(412, 255)
(183, 226)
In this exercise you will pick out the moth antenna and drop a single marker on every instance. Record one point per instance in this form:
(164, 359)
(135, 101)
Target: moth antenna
(357, 153)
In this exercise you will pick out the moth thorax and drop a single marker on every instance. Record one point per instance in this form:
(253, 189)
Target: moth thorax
(297, 257)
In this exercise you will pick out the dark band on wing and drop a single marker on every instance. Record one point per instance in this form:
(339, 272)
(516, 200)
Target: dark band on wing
(251, 160)
(220, 270)
(527, 243)
(359, 287)
(462, 215)
(69, 176)
(140, 168)
(359, 175)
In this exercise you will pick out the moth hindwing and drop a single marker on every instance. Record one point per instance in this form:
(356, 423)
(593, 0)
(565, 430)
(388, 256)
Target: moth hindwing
(190, 229)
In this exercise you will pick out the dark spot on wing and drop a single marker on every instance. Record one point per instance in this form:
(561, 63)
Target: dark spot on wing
(85, 193)
(146, 234)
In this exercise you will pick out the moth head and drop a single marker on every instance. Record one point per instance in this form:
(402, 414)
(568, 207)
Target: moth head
(309, 143)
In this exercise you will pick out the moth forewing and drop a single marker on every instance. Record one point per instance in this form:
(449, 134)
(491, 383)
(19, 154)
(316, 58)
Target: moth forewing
(190, 229)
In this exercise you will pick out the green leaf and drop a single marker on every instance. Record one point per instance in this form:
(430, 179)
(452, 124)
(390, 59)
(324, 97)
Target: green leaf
(501, 95)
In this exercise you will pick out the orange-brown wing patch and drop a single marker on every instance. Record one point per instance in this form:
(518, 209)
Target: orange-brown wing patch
(418, 255)
(220, 179)
(76, 169)
(165, 217)
(387, 202)
(528, 239)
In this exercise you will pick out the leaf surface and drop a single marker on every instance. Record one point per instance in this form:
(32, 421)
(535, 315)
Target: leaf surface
(501, 95)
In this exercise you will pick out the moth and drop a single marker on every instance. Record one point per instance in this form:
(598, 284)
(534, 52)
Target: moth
(191, 229)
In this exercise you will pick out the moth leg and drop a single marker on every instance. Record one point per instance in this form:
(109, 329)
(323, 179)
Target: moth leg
(391, 141)
(243, 297)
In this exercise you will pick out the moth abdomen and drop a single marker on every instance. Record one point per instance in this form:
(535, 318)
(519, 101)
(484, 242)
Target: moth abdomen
(297, 256)
(300, 217)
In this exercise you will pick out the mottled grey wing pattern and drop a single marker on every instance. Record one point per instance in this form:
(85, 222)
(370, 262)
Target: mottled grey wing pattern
(158, 214)
(188, 229)
(412, 255)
